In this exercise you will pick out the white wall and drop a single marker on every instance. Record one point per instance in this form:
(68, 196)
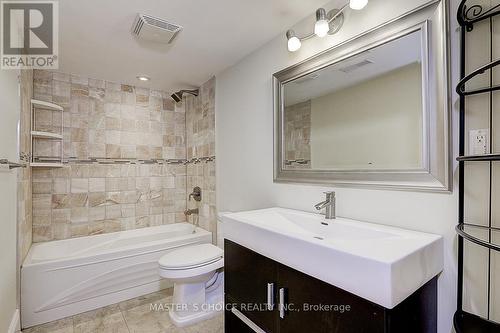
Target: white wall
(375, 124)
(244, 143)
(9, 118)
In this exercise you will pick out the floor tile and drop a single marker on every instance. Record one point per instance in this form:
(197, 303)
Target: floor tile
(143, 319)
(133, 316)
(105, 320)
(214, 325)
(146, 299)
(58, 326)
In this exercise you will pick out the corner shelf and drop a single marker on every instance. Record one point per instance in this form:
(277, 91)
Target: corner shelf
(46, 105)
(45, 135)
(468, 16)
(57, 162)
(470, 13)
(466, 322)
(46, 165)
(461, 85)
(471, 158)
(467, 230)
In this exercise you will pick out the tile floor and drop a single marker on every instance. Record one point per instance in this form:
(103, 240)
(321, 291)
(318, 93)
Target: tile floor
(132, 316)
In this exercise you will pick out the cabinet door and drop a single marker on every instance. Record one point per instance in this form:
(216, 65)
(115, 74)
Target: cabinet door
(312, 305)
(246, 277)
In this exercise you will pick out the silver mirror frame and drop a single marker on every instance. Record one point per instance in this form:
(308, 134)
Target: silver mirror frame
(435, 174)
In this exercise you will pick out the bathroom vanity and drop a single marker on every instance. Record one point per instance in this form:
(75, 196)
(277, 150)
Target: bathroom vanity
(290, 271)
(312, 305)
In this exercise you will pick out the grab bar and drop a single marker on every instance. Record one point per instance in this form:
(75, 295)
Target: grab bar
(12, 165)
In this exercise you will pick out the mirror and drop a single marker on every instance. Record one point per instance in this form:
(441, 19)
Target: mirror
(370, 112)
(362, 113)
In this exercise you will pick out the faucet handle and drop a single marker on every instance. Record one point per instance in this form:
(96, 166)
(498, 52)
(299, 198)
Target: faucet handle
(196, 194)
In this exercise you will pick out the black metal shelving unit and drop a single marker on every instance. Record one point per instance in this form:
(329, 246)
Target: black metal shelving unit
(468, 15)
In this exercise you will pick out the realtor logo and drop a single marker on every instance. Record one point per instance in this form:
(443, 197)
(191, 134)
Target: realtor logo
(29, 34)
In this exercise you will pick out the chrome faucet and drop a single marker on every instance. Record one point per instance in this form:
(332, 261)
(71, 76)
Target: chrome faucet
(189, 212)
(196, 194)
(329, 203)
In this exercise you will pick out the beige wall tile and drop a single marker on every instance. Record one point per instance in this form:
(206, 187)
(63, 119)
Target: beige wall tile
(106, 119)
(97, 213)
(42, 233)
(97, 184)
(61, 185)
(79, 185)
(79, 215)
(97, 199)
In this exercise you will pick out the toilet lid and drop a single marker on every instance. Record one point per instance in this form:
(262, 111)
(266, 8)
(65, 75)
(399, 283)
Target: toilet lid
(189, 256)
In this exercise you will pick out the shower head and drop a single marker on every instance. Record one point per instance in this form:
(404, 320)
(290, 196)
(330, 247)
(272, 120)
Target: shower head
(177, 96)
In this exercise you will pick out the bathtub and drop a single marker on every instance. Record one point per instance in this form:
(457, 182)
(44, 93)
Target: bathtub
(67, 277)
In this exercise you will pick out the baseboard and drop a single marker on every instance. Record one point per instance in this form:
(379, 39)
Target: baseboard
(15, 324)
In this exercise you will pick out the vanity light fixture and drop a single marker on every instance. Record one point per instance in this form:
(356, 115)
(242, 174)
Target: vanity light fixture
(326, 24)
(143, 78)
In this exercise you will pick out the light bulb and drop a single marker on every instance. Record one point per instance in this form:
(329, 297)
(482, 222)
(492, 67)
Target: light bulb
(294, 44)
(321, 28)
(293, 41)
(357, 4)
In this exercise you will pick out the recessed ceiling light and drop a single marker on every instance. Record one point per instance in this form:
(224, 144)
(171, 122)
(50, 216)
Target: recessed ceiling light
(143, 78)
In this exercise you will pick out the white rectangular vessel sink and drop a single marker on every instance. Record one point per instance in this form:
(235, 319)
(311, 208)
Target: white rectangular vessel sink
(379, 263)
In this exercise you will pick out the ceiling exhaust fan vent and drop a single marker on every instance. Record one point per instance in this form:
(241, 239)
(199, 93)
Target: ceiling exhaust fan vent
(154, 29)
(306, 78)
(353, 67)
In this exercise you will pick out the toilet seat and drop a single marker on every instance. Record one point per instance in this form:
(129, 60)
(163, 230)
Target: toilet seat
(191, 261)
(191, 272)
(191, 257)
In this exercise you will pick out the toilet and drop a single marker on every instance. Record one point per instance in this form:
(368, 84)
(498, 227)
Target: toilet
(198, 282)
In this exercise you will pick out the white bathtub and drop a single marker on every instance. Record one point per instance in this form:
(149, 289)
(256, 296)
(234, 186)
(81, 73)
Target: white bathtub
(67, 277)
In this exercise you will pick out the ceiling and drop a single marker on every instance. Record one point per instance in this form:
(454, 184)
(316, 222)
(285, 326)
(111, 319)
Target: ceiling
(381, 60)
(95, 38)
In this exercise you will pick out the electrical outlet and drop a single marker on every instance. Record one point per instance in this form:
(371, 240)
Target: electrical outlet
(478, 141)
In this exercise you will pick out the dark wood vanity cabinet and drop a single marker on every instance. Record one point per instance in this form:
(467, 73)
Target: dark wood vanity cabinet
(247, 275)
(247, 279)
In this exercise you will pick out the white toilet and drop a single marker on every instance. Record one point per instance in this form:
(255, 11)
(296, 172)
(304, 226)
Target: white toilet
(198, 285)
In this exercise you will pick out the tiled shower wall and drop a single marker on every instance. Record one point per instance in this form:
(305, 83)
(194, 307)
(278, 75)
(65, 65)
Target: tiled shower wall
(200, 142)
(298, 134)
(106, 119)
(24, 209)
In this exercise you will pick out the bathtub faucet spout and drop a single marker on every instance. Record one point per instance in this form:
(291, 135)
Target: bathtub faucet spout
(189, 212)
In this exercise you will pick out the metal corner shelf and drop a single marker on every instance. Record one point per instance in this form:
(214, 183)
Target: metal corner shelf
(466, 322)
(481, 70)
(46, 135)
(37, 105)
(472, 158)
(46, 105)
(46, 165)
(461, 229)
(468, 16)
(480, 235)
